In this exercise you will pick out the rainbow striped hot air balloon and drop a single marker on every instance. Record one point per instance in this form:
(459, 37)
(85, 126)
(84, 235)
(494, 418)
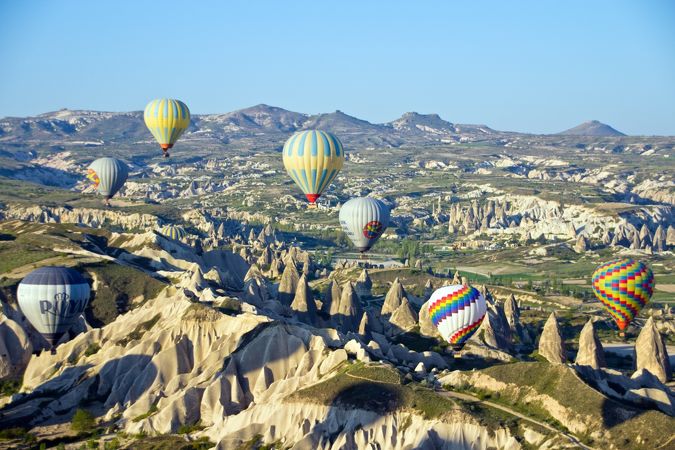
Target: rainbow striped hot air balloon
(313, 158)
(457, 311)
(166, 119)
(623, 286)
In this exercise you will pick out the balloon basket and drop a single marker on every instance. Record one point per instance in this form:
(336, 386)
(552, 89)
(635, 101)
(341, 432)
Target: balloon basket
(311, 206)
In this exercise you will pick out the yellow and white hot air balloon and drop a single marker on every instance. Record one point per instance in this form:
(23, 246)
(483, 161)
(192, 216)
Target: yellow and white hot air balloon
(167, 119)
(313, 158)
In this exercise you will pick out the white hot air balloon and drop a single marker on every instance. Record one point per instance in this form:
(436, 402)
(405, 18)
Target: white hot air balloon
(457, 311)
(363, 220)
(52, 299)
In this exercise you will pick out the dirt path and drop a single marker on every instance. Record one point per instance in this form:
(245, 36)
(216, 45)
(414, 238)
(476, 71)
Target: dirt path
(472, 399)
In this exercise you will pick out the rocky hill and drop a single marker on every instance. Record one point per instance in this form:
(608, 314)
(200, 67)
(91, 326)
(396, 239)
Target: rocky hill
(592, 128)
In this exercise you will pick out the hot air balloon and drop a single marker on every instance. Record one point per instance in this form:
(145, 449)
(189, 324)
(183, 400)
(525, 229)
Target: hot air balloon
(52, 298)
(623, 286)
(108, 176)
(363, 220)
(313, 158)
(166, 119)
(174, 232)
(457, 312)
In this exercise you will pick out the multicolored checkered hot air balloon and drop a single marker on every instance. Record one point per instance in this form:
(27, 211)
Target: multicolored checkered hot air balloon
(313, 158)
(166, 119)
(457, 311)
(623, 286)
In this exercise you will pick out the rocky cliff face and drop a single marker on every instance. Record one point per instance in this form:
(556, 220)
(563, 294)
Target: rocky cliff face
(94, 218)
(651, 353)
(172, 362)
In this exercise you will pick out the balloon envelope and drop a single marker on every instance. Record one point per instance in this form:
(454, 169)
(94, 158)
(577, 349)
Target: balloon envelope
(52, 299)
(175, 232)
(313, 158)
(166, 119)
(108, 175)
(623, 286)
(363, 220)
(457, 311)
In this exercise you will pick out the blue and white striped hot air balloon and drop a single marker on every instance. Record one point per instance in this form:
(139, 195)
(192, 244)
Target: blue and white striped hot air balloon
(313, 158)
(52, 299)
(108, 175)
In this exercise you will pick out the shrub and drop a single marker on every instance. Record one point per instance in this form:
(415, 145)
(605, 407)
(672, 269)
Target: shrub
(83, 421)
(92, 349)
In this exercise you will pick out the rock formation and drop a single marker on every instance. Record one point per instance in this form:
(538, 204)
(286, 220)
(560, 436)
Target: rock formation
(394, 298)
(15, 348)
(651, 353)
(428, 289)
(581, 244)
(349, 311)
(404, 318)
(427, 327)
(551, 345)
(303, 303)
(331, 298)
(288, 284)
(590, 349)
(495, 330)
(364, 285)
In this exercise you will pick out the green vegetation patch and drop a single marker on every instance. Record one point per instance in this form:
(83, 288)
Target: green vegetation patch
(117, 286)
(83, 421)
(562, 384)
(201, 313)
(139, 331)
(169, 442)
(375, 388)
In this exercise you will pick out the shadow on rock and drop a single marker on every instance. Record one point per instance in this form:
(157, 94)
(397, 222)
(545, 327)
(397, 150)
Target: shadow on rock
(120, 381)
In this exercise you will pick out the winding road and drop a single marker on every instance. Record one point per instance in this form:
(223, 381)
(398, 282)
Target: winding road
(472, 399)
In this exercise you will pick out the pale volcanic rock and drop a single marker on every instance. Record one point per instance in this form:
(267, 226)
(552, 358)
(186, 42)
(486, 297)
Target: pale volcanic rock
(581, 244)
(427, 327)
(288, 284)
(551, 345)
(15, 348)
(349, 311)
(590, 349)
(512, 313)
(651, 353)
(331, 299)
(404, 318)
(494, 329)
(364, 285)
(394, 297)
(90, 217)
(303, 303)
(428, 289)
(670, 236)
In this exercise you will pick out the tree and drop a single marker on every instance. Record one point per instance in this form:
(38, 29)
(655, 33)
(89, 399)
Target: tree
(82, 421)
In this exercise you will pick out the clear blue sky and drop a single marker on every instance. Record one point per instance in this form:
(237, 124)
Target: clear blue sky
(536, 66)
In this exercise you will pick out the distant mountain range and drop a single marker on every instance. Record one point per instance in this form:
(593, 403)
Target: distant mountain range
(592, 128)
(255, 127)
